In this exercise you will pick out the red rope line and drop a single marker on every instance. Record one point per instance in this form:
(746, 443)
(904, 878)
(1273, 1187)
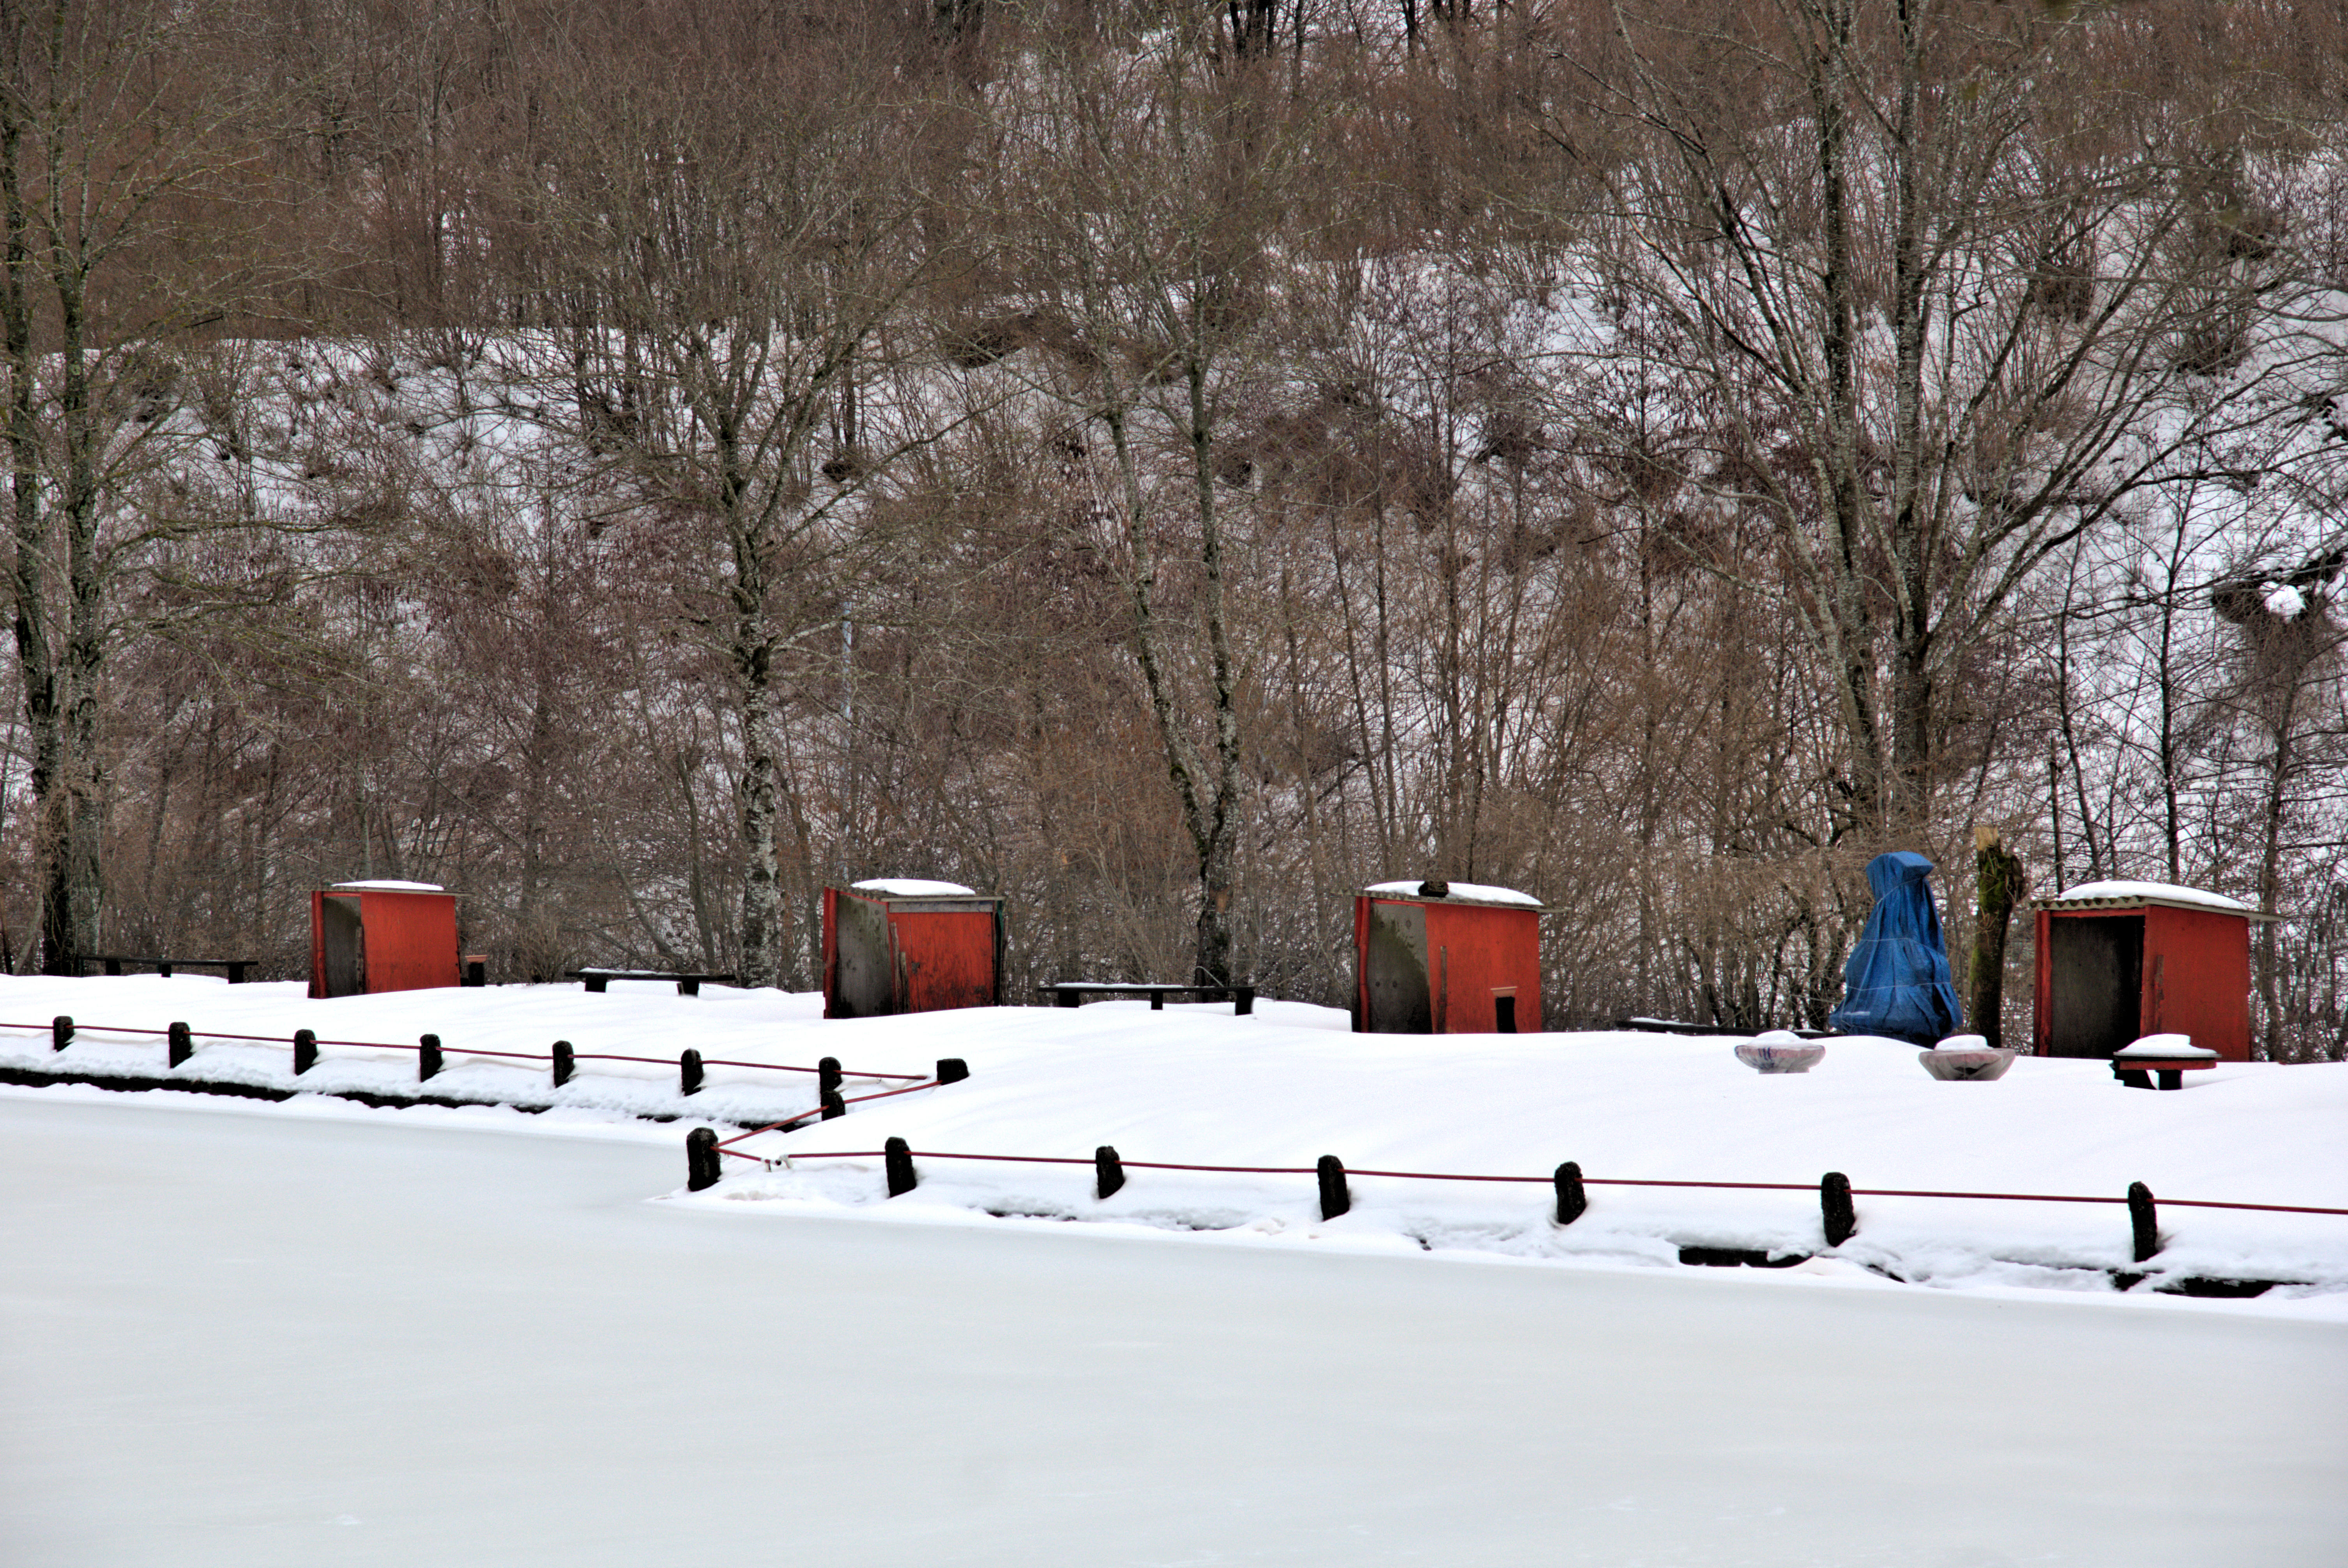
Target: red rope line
(466, 1050)
(787, 1122)
(782, 1067)
(1587, 1181)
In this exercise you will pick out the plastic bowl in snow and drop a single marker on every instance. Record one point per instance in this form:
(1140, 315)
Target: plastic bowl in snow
(1780, 1051)
(1966, 1059)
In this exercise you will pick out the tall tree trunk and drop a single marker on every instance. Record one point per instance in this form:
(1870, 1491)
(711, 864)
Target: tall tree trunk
(1998, 882)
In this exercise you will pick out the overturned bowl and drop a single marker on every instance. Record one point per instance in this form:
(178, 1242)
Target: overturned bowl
(1954, 1063)
(1780, 1051)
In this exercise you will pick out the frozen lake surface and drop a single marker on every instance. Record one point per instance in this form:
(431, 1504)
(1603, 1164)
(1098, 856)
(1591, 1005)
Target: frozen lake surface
(253, 1338)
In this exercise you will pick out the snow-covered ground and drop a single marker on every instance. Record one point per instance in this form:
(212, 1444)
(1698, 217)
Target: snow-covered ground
(1195, 1085)
(244, 1336)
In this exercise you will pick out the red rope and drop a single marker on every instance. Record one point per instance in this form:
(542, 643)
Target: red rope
(781, 1067)
(470, 1051)
(1588, 1181)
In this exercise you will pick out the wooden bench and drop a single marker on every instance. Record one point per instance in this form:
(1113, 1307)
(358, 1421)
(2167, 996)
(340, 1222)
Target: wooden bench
(1069, 993)
(2136, 1072)
(687, 985)
(236, 968)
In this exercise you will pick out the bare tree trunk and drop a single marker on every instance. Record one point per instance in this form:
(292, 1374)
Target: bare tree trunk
(1998, 882)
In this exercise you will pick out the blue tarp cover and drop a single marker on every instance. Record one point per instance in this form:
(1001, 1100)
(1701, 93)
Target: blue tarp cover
(1896, 982)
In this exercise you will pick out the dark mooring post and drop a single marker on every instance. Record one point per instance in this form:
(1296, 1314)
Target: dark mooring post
(1835, 1208)
(688, 1073)
(700, 1157)
(565, 1062)
(1570, 1199)
(833, 1105)
(952, 1070)
(1108, 1171)
(898, 1161)
(60, 1032)
(427, 1057)
(826, 1075)
(1336, 1199)
(183, 1044)
(305, 1050)
(2144, 1220)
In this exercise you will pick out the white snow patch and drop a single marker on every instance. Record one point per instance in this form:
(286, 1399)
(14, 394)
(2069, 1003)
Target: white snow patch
(2283, 601)
(914, 888)
(386, 886)
(2168, 1045)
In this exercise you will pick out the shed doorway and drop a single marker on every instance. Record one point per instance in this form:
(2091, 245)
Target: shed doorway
(2096, 965)
(1394, 967)
(342, 935)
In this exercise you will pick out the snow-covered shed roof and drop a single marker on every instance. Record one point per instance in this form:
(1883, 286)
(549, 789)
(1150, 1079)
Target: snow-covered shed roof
(1459, 893)
(912, 887)
(2127, 895)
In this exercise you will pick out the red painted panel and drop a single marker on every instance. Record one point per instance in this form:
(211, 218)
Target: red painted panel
(2197, 978)
(2041, 1009)
(944, 959)
(411, 940)
(1474, 952)
(317, 945)
(830, 951)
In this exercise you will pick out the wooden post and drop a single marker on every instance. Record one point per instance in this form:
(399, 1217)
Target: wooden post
(60, 1032)
(1835, 1206)
(1243, 1001)
(833, 1105)
(688, 1073)
(2144, 1221)
(564, 1062)
(183, 1044)
(1571, 1201)
(427, 1057)
(897, 1160)
(701, 1160)
(1998, 882)
(1336, 1199)
(827, 1076)
(952, 1070)
(1108, 1171)
(305, 1052)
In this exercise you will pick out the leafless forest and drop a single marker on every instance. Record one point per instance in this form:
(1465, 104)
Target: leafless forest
(635, 461)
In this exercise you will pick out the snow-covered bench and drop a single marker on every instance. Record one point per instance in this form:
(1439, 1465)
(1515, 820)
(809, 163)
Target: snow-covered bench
(2169, 1055)
(236, 968)
(1068, 993)
(687, 985)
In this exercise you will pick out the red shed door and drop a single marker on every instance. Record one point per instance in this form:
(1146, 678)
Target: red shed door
(945, 958)
(2197, 978)
(1478, 954)
(411, 940)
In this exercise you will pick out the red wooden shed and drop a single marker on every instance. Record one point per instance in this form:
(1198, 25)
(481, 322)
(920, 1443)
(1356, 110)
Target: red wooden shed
(900, 945)
(368, 936)
(1446, 958)
(2120, 961)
